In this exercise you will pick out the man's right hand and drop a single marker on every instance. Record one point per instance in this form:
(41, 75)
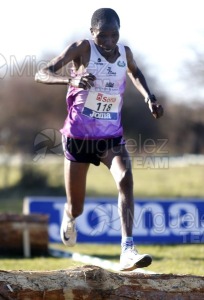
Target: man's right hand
(85, 82)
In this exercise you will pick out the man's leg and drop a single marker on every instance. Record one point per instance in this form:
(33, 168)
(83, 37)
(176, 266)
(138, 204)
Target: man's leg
(75, 185)
(118, 161)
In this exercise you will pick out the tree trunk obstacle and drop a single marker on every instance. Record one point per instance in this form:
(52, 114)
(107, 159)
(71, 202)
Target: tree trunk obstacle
(25, 235)
(94, 283)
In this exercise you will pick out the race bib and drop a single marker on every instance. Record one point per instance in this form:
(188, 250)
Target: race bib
(102, 106)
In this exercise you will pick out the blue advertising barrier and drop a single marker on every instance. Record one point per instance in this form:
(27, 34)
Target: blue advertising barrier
(171, 221)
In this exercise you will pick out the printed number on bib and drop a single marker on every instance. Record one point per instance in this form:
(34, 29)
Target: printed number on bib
(102, 106)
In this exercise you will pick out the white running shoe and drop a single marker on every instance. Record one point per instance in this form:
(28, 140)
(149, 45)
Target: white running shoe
(130, 260)
(68, 229)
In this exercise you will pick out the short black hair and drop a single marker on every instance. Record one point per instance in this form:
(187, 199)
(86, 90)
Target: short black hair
(104, 14)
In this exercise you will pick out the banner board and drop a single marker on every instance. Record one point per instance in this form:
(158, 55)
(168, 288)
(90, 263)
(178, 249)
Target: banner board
(158, 221)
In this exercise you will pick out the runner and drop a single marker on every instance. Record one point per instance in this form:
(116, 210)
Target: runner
(92, 131)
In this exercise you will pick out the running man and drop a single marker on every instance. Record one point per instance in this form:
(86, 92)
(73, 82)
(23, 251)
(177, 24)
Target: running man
(92, 132)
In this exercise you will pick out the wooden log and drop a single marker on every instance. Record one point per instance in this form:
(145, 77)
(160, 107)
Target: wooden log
(94, 283)
(24, 234)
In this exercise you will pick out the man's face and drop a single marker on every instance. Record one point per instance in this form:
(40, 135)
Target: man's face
(106, 36)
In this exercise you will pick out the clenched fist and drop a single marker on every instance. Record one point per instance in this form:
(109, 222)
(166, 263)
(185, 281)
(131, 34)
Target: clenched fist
(155, 108)
(85, 82)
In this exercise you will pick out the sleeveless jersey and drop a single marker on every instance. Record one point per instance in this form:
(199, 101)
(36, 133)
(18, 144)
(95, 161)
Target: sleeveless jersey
(96, 113)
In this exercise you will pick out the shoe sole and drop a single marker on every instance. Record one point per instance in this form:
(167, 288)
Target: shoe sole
(144, 262)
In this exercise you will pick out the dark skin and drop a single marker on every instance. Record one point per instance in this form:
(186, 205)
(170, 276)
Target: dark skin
(106, 36)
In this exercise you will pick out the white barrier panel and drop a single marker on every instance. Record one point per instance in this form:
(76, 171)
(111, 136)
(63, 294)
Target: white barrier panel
(160, 221)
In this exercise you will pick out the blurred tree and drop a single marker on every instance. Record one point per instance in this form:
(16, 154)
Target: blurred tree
(28, 108)
(193, 73)
(192, 70)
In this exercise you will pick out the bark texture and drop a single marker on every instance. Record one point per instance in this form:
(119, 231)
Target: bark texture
(94, 283)
(20, 232)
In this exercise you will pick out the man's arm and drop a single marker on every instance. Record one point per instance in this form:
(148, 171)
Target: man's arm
(140, 83)
(136, 75)
(78, 53)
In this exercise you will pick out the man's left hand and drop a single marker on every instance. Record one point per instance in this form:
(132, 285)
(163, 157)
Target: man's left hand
(156, 110)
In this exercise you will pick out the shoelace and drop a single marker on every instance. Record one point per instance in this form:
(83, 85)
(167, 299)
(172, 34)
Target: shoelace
(128, 246)
(71, 225)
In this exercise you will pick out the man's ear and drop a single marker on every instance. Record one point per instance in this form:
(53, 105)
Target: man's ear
(92, 32)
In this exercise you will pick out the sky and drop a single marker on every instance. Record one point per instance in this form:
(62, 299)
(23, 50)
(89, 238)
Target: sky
(162, 32)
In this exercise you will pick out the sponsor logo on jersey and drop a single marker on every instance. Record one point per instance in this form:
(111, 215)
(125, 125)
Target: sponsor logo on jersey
(110, 72)
(109, 84)
(98, 62)
(121, 63)
(101, 97)
(100, 115)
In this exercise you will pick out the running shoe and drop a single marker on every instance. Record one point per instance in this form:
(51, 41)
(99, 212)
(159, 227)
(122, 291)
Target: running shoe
(130, 259)
(68, 229)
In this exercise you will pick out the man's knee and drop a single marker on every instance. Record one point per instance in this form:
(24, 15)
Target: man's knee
(126, 180)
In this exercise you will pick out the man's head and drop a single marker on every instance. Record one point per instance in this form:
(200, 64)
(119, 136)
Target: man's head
(104, 16)
(105, 26)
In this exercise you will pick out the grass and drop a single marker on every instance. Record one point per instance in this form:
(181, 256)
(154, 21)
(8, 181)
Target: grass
(171, 182)
(176, 259)
(149, 183)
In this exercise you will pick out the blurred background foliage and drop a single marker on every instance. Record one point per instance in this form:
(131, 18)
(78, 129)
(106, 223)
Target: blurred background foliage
(27, 108)
(31, 115)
